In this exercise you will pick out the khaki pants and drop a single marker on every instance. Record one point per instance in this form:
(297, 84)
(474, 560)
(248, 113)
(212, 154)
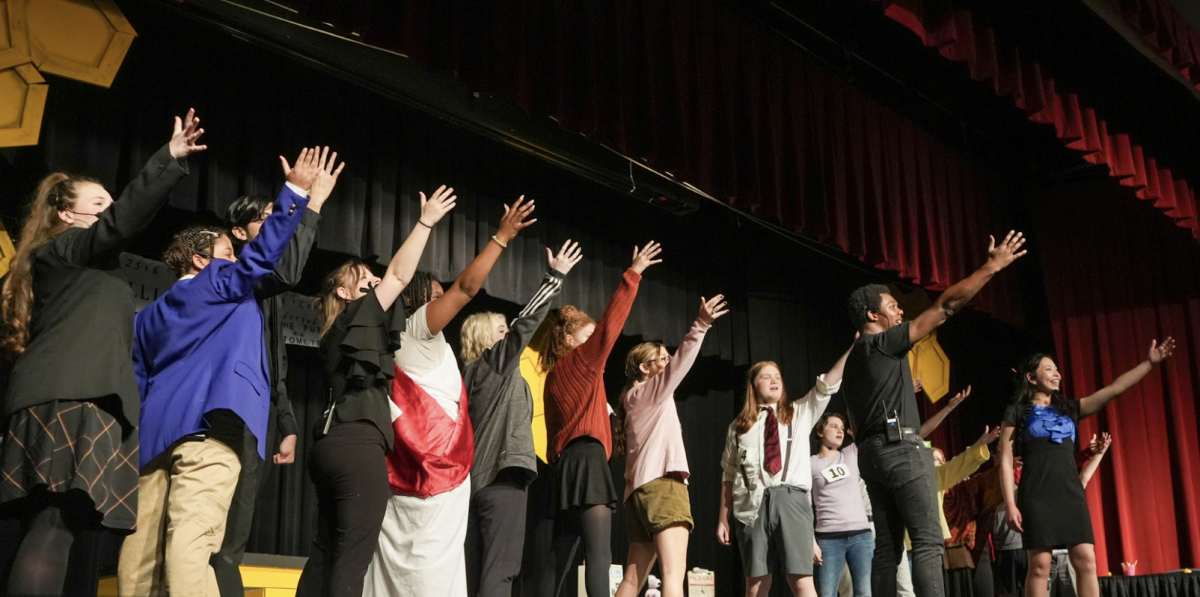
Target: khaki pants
(183, 501)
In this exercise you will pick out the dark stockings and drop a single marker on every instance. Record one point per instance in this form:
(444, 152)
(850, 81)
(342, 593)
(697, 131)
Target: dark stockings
(43, 558)
(592, 524)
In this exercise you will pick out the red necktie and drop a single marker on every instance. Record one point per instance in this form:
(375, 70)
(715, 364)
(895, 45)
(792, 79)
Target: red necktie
(771, 442)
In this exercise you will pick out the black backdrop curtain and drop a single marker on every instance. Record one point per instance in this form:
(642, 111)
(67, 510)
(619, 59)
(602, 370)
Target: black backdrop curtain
(788, 304)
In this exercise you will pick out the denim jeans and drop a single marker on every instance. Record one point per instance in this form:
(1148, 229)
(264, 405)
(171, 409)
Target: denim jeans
(856, 551)
(900, 480)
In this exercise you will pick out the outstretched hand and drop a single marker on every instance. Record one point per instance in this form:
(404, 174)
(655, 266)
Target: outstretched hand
(187, 132)
(1161, 352)
(1105, 442)
(1009, 250)
(327, 177)
(713, 308)
(569, 255)
(513, 221)
(645, 257)
(989, 435)
(304, 173)
(436, 207)
(959, 397)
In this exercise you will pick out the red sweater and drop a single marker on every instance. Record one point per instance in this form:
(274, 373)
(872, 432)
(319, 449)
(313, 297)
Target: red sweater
(576, 404)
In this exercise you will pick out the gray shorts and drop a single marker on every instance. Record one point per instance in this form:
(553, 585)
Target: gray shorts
(782, 536)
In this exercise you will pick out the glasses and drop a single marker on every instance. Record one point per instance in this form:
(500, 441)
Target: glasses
(664, 359)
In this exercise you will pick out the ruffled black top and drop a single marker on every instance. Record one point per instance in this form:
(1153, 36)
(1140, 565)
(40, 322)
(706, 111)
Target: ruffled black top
(359, 359)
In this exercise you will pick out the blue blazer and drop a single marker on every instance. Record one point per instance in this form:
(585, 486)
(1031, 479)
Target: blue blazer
(199, 347)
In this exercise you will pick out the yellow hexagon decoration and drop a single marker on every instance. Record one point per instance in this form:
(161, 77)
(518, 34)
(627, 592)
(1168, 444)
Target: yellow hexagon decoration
(22, 102)
(14, 36)
(85, 40)
(930, 364)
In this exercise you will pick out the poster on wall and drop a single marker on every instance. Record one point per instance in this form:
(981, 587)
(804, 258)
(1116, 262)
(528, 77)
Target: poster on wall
(149, 279)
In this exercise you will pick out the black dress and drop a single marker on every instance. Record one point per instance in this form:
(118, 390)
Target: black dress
(72, 401)
(1053, 505)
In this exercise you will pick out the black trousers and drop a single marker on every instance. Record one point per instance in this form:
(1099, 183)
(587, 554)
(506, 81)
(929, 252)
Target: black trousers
(253, 478)
(495, 539)
(348, 468)
(903, 488)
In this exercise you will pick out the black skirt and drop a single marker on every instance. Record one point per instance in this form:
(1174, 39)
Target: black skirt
(1054, 508)
(70, 447)
(581, 476)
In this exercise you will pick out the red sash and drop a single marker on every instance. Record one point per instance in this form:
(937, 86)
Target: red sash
(433, 453)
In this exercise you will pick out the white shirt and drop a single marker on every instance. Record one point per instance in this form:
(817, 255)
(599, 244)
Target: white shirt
(742, 461)
(428, 359)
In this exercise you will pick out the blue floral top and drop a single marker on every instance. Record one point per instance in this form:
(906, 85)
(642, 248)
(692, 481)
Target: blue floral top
(1045, 421)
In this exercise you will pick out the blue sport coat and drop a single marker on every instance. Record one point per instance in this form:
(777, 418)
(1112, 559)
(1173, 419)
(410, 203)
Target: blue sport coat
(199, 347)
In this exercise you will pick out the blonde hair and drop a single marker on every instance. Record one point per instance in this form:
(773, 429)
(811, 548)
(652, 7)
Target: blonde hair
(56, 192)
(749, 413)
(477, 334)
(328, 302)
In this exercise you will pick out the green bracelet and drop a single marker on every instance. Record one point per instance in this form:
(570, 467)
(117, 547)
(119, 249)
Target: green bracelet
(502, 244)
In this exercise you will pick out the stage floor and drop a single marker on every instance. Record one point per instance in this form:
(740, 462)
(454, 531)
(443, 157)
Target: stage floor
(263, 575)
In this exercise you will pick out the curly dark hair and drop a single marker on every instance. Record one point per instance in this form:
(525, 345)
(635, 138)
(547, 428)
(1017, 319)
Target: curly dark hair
(865, 299)
(193, 240)
(419, 290)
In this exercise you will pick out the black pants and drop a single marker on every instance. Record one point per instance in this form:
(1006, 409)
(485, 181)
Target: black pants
(253, 477)
(903, 488)
(495, 539)
(348, 468)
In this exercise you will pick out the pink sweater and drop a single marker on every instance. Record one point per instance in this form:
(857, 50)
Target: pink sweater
(653, 436)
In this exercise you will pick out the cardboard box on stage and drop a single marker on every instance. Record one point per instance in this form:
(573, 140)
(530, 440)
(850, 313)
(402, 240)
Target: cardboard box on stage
(701, 583)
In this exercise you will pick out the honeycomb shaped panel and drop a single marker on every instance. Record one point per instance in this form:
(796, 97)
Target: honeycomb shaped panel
(14, 35)
(22, 102)
(930, 364)
(85, 40)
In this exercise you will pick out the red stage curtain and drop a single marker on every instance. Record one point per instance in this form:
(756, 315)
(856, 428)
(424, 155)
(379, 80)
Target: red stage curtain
(723, 104)
(1117, 276)
(951, 26)
(1168, 32)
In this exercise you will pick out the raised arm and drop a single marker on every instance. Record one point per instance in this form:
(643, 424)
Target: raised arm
(403, 265)
(1096, 402)
(935, 421)
(1008, 484)
(505, 356)
(597, 348)
(291, 266)
(140, 201)
(955, 297)
(467, 285)
(963, 465)
(662, 386)
(833, 377)
(1085, 475)
(261, 255)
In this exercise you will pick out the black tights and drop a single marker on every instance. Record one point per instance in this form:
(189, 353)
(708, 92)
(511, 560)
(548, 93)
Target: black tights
(593, 524)
(43, 557)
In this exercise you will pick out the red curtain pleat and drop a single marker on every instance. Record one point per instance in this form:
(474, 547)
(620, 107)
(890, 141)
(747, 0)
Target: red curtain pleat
(954, 31)
(1107, 301)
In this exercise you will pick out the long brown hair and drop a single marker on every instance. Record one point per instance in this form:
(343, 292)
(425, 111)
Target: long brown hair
(328, 302)
(554, 345)
(642, 353)
(749, 413)
(56, 192)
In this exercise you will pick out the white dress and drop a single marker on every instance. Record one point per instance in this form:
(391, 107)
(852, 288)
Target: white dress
(421, 544)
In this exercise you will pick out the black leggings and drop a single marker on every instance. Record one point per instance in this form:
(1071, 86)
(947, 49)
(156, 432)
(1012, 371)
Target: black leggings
(592, 524)
(50, 526)
(350, 473)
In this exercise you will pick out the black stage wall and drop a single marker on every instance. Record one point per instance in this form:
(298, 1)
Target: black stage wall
(788, 300)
